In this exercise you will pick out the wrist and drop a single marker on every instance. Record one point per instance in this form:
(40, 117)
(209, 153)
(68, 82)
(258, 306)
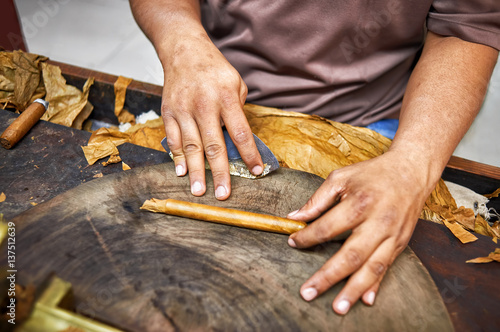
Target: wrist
(418, 165)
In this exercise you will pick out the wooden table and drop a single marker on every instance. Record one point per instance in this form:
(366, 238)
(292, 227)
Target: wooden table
(31, 174)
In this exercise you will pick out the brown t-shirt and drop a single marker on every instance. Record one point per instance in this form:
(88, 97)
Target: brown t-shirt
(347, 60)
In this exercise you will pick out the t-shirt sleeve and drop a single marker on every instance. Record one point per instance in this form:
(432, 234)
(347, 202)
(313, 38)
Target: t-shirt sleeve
(475, 21)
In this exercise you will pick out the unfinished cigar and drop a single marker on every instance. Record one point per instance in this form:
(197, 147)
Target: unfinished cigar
(225, 216)
(23, 123)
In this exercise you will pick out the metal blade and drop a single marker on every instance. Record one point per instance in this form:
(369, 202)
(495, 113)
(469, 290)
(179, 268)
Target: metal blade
(236, 164)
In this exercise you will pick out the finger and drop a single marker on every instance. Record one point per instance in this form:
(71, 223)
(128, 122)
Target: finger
(323, 199)
(241, 134)
(367, 277)
(345, 216)
(369, 296)
(346, 261)
(174, 142)
(192, 147)
(216, 154)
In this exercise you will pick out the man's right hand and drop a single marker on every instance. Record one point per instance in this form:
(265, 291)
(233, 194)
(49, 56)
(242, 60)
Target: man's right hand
(202, 92)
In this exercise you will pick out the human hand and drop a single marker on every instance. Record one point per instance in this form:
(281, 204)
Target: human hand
(202, 92)
(380, 200)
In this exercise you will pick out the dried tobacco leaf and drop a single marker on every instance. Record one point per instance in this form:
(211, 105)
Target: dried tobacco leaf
(113, 159)
(465, 217)
(481, 226)
(3, 197)
(125, 167)
(94, 152)
(148, 135)
(120, 88)
(68, 105)
(311, 143)
(20, 79)
(460, 232)
(494, 194)
(493, 256)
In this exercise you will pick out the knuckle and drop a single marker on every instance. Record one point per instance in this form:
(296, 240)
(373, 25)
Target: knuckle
(242, 137)
(353, 258)
(192, 148)
(377, 268)
(212, 151)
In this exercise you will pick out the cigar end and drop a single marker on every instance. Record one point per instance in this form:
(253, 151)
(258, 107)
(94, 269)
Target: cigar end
(5, 143)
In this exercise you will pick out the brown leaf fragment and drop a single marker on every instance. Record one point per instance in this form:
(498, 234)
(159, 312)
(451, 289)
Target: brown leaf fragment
(465, 217)
(125, 167)
(68, 106)
(113, 159)
(460, 232)
(94, 152)
(120, 88)
(493, 194)
(3, 197)
(481, 226)
(493, 256)
(480, 260)
(20, 79)
(98, 175)
(34, 203)
(495, 239)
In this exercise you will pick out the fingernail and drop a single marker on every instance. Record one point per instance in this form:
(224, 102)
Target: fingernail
(343, 307)
(220, 192)
(257, 170)
(196, 188)
(292, 243)
(179, 170)
(370, 298)
(309, 293)
(291, 214)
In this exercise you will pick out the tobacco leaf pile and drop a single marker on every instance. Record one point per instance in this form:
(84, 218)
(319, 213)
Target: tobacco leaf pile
(25, 77)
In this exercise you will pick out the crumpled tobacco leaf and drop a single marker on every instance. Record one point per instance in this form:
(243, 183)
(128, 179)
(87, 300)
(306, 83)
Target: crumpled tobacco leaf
(481, 226)
(450, 221)
(148, 135)
(94, 152)
(120, 88)
(68, 105)
(125, 167)
(20, 79)
(3, 197)
(312, 143)
(459, 232)
(493, 256)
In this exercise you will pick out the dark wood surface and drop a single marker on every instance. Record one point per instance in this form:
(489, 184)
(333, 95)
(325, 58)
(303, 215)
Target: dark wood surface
(161, 273)
(439, 251)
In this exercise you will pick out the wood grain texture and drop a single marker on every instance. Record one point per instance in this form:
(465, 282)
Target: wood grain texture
(142, 271)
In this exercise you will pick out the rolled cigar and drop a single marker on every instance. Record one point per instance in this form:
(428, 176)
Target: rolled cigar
(225, 216)
(23, 123)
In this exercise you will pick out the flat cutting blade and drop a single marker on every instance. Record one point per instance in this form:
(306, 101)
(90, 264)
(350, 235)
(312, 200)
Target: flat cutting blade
(236, 165)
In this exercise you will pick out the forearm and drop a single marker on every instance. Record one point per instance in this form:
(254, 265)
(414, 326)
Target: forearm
(444, 94)
(165, 22)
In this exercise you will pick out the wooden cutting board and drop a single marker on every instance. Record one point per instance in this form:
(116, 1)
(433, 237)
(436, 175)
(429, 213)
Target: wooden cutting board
(142, 271)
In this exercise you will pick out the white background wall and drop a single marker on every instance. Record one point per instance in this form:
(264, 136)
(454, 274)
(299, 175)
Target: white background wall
(102, 35)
